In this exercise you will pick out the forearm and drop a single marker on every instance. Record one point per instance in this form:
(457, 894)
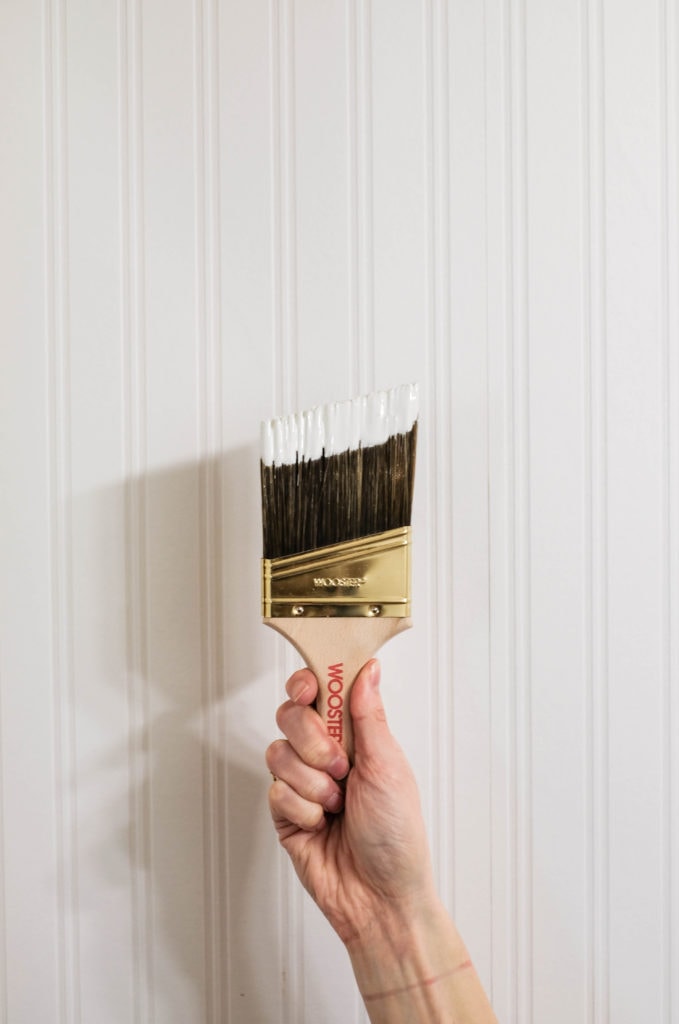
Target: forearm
(415, 969)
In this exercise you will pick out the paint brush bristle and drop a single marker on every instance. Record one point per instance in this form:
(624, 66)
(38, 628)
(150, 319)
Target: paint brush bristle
(338, 472)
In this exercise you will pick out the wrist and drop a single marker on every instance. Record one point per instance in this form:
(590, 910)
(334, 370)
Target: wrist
(407, 946)
(412, 967)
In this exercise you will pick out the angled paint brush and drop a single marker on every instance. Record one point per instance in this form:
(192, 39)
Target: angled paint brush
(337, 488)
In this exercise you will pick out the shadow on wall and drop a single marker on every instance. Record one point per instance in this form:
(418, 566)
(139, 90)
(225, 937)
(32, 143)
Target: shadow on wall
(197, 859)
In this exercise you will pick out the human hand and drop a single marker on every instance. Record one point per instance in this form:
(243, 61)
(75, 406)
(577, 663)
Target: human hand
(359, 850)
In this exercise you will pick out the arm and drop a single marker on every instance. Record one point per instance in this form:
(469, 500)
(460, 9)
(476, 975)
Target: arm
(362, 854)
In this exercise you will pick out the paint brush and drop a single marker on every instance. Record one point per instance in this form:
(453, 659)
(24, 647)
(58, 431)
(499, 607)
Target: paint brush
(337, 488)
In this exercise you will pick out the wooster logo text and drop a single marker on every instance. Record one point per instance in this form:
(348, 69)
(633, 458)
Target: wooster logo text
(339, 581)
(334, 715)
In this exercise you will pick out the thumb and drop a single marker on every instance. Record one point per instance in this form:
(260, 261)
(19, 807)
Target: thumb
(371, 732)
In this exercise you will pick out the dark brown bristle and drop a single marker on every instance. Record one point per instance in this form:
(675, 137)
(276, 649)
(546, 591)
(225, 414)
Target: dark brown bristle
(310, 504)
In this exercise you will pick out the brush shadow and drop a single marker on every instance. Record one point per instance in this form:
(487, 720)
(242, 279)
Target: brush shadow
(182, 701)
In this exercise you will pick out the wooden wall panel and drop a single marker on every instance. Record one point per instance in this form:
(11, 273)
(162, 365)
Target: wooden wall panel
(217, 211)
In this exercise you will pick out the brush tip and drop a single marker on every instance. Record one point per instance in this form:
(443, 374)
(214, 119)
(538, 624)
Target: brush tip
(338, 427)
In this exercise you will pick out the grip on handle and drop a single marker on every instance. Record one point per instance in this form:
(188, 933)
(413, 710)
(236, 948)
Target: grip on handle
(335, 649)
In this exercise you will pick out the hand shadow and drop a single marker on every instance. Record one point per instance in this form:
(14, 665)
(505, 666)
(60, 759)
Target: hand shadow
(196, 853)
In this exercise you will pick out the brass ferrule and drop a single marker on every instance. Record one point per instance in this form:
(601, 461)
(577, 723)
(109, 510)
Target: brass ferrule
(367, 577)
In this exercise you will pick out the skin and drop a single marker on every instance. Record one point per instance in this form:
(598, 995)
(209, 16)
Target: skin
(358, 844)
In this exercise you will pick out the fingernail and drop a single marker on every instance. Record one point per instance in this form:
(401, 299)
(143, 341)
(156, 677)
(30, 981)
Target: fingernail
(334, 803)
(374, 673)
(298, 692)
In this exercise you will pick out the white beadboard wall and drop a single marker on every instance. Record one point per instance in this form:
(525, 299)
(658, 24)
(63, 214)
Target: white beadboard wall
(219, 210)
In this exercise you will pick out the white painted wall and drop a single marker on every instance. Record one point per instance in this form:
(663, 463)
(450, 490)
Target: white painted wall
(220, 210)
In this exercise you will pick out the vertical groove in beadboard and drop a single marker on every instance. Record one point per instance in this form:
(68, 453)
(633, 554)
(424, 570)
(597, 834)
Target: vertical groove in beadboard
(521, 489)
(354, 193)
(290, 220)
(4, 1008)
(427, 455)
(61, 553)
(361, 251)
(588, 493)
(497, 137)
(594, 267)
(672, 370)
(286, 387)
(134, 458)
(215, 791)
(511, 517)
(672, 454)
(365, 169)
(664, 539)
(285, 202)
(489, 500)
(595, 437)
(277, 199)
(432, 559)
(439, 152)
(670, 339)
(284, 930)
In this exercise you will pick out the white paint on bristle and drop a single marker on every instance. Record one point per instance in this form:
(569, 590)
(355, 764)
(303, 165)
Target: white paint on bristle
(266, 445)
(339, 426)
(315, 438)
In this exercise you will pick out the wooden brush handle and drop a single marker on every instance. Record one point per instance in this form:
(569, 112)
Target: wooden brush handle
(336, 649)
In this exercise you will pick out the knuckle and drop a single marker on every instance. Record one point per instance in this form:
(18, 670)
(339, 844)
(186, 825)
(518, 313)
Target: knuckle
(282, 714)
(317, 790)
(319, 752)
(275, 790)
(274, 753)
(315, 816)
